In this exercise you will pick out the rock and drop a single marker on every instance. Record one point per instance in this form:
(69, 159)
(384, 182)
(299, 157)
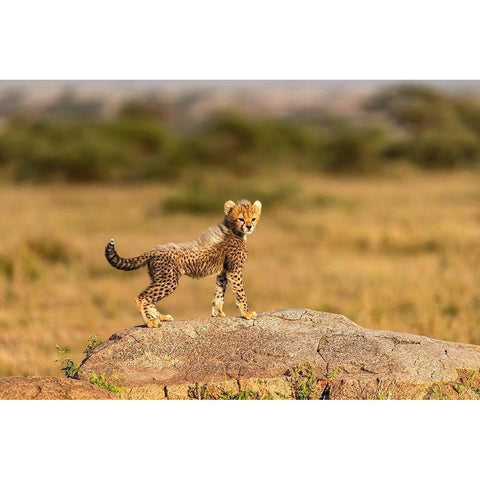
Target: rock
(294, 353)
(50, 388)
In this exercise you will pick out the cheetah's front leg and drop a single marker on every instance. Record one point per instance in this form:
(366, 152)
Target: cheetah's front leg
(236, 280)
(219, 295)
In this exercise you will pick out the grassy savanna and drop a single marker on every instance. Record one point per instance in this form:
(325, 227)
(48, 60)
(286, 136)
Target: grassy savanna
(398, 253)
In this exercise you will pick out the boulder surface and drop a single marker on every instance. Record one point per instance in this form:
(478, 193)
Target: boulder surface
(292, 353)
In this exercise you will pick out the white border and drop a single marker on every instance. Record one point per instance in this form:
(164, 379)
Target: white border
(252, 39)
(232, 439)
(242, 40)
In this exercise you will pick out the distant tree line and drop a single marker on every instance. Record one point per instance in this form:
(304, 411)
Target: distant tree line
(72, 143)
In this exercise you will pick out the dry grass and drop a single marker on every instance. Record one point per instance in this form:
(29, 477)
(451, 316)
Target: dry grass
(398, 254)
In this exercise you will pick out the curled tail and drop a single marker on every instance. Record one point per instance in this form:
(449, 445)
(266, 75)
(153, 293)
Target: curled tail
(123, 263)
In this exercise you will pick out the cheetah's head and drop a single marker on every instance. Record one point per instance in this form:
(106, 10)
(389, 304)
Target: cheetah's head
(242, 217)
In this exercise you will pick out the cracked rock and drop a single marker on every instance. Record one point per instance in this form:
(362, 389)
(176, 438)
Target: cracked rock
(188, 353)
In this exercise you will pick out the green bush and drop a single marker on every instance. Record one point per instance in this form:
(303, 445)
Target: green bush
(145, 135)
(441, 131)
(51, 250)
(353, 150)
(68, 152)
(413, 106)
(244, 144)
(468, 111)
(445, 149)
(149, 108)
(79, 152)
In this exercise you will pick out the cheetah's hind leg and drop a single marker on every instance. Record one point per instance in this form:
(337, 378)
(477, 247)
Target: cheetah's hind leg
(151, 316)
(146, 304)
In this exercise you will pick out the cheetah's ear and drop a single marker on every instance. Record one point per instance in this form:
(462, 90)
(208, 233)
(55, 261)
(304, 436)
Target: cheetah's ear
(228, 207)
(258, 206)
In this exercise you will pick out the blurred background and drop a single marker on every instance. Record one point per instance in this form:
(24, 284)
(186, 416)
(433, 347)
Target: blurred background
(370, 192)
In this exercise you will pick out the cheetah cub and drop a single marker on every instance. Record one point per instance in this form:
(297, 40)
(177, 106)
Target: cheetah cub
(220, 250)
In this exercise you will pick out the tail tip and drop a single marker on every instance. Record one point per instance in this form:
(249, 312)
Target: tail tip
(111, 242)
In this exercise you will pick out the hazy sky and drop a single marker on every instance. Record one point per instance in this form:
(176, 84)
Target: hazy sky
(182, 85)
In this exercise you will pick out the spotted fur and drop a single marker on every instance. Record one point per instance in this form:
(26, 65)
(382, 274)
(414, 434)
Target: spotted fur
(219, 250)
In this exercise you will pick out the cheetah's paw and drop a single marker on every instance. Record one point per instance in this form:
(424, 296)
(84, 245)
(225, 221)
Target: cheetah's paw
(217, 311)
(250, 315)
(153, 323)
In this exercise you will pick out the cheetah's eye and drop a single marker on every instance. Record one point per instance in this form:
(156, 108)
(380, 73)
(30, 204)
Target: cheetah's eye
(241, 220)
(253, 219)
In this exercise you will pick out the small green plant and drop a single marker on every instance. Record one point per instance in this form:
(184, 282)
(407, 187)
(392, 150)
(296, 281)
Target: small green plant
(303, 382)
(241, 395)
(385, 390)
(198, 392)
(202, 392)
(68, 366)
(469, 382)
(438, 395)
(101, 382)
(333, 373)
(93, 342)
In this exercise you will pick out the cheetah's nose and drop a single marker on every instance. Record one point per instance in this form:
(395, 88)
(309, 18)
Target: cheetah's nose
(249, 227)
